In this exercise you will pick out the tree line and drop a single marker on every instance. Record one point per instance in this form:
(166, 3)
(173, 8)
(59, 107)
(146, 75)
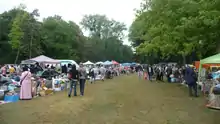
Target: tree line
(22, 37)
(176, 30)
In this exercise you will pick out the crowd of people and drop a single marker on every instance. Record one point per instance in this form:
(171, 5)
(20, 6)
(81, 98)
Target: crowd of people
(92, 73)
(76, 75)
(21, 74)
(173, 73)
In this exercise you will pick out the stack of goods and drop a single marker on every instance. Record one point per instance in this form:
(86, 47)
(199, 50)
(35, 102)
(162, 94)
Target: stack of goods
(62, 84)
(215, 75)
(34, 88)
(214, 96)
(173, 79)
(56, 85)
(59, 84)
(2, 94)
(11, 87)
(43, 90)
(207, 86)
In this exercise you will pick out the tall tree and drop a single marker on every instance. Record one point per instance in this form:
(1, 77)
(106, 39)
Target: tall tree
(16, 34)
(105, 37)
(101, 26)
(22, 36)
(175, 27)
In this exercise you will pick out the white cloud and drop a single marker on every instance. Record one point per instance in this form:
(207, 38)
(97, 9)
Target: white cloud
(120, 10)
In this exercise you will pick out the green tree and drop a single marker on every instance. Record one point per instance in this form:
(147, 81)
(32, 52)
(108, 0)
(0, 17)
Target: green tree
(61, 37)
(105, 41)
(176, 28)
(22, 36)
(16, 34)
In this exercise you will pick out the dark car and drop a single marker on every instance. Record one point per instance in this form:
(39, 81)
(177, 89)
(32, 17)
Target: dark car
(48, 74)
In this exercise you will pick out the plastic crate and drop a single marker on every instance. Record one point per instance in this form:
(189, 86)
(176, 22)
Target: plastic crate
(11, 98)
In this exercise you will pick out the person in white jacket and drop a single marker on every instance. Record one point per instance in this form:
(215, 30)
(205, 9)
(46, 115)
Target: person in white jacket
(102, 71)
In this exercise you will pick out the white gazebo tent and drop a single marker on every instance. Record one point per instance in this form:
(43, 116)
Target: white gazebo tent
(88, 63)
(45, 59)
(99, 63)
(42, 59)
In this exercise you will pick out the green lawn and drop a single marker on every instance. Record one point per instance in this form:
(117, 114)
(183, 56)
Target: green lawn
(123, 100)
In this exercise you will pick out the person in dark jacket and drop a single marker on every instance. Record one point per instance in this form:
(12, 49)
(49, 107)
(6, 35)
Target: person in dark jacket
(65, 69)
(169, 72)
(74, 77)
(191, 79)
(37, 68)
(92, 75)
(150, 72)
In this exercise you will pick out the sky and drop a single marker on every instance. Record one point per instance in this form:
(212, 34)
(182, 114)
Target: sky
(119, 10)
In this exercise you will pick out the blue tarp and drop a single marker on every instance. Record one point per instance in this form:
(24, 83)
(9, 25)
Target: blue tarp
(126, 64)
(133, 63)
(215, 75)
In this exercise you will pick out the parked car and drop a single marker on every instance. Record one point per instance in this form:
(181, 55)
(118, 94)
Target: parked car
(48, 74)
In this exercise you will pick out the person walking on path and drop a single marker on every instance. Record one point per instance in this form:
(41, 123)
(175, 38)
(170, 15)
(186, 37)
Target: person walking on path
(73, 76)
(82, 78)
(102, 71)
(92, 75)
(140, 72)
(191, 79)
(150, 72)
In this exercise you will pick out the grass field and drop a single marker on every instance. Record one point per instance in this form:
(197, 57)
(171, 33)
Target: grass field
(123, 100)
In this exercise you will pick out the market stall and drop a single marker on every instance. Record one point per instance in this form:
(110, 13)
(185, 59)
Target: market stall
(42, 59)
(114, 62)
(210, 85)
(126, 64)
(88, 63)
(106, 63)
(99, 63)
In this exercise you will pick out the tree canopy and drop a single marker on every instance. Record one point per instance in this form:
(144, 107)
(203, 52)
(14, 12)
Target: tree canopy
(176, 30)
(22, 36)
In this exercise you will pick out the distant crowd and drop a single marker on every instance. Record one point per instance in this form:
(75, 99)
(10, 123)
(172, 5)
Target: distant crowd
(173, 73)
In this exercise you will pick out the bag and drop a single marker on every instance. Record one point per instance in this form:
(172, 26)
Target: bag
(23, 79)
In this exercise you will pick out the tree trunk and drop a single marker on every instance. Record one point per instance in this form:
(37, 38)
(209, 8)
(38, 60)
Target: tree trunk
(18, 53)
(218, 47)
(184, 59)
(30, 47)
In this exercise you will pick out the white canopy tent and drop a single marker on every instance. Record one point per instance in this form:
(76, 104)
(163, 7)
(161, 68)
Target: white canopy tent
(99, 63)
(88, 63)
(44, 59)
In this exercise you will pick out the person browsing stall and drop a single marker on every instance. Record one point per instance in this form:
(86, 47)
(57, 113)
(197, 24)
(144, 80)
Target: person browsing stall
(26, 86)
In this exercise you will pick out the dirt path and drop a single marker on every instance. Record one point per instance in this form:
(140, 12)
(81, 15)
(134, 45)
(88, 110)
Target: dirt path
(123, 100)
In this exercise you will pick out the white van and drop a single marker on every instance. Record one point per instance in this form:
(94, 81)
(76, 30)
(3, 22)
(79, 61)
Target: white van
(66, 62)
